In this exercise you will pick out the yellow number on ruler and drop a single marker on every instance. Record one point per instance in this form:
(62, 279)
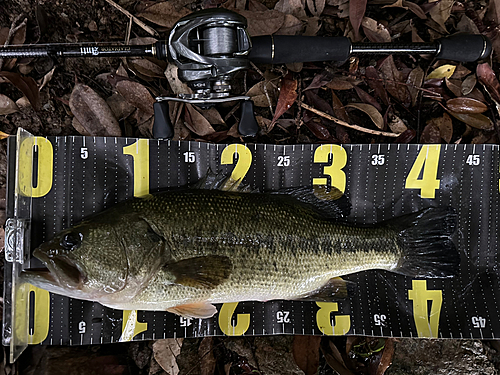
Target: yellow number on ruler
(131, 326)
(243, 164)
(225, 320)
(140, 153)
(427, 325)
(334, 170)
(427, 164)
(323, 319)
(44, 167)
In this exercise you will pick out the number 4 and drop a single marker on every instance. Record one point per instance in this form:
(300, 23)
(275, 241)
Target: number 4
(427, 165)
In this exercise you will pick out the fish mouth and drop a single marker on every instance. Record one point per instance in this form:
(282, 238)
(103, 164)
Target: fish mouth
(61, 270)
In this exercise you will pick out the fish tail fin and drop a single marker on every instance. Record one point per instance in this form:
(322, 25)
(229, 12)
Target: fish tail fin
(428, 250)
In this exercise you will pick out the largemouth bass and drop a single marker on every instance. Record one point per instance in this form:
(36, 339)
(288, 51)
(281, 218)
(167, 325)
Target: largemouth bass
(186, 249)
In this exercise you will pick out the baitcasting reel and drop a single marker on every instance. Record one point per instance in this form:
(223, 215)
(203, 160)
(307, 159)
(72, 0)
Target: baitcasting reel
(209, 46)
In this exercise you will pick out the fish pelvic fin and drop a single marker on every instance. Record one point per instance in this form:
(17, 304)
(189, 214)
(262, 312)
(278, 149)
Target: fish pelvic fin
(425, 238)
(222, 181)
(335, 289)
(205, 272)
(198, 310)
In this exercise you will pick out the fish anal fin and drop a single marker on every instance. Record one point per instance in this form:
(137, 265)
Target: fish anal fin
(198, 310)
(335, 289)
(201, 272)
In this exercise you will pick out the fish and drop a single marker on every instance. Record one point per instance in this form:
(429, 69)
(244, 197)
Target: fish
(186, 249)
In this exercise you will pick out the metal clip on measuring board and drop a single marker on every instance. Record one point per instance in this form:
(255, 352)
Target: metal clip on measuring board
(211, 45)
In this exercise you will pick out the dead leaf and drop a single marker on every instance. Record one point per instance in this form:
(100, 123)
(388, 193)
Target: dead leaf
(207, 358)
(46, 78)
(263, 22)
(177, 86)
(441, 12)
(164, 14)
(476, 120)
(460, 72)
(294, 7)
(415, 8)
(488, 78)
(371, 111)
(387, 355)
(3, 136)
(316, 7)
(375, 31)
(466, 105)
(120, 107)
(396, 124)
(340, 83)
(357, 9)
(165, 353)
(287, 96)
(393, 81)
(334, 359)
(18, 38)
(7, 105)
(263, 94)
(137, 95)
(444, 71)
(367, 98)
(445, 126)
(319, 130)
(27, 85)
(212, 115)
(375, 83)
(79, 127)
(196, 122)
(468, 84)
(338, 108)
(415, 80)
(291, 26)
(430, 134)
(92, 112)
(320, 80)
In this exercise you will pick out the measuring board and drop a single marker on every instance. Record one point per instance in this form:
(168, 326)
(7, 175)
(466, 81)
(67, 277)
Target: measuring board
(73, 177)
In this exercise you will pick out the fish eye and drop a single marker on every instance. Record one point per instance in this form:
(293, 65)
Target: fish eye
(71, 240)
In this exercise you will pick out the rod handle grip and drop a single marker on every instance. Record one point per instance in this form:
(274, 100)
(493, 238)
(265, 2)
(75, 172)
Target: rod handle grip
(464, 47)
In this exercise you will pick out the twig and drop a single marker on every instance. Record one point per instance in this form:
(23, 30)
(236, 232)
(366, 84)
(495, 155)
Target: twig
(12, 31)
(145, 27)
(347, 125)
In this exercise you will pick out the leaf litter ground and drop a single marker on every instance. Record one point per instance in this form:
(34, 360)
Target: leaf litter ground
(398, 99)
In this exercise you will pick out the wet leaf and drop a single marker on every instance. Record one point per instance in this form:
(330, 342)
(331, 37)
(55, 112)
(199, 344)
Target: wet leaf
(375, 31)
(196, 122)
(476, 120)
(444, 71)
(430, 134)
(27, 85)
(7, 105)
(371, 111)
(263, 22)
(287, 96)
(466, 105)
(357, 10)
(488, 78)
(137, 95)
(164, 14)
(414, 81)
(92, 112)
(165, 352)
(468, 84)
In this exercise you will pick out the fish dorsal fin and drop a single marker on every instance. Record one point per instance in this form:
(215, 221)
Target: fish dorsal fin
(335, 289)
(221, 181)
(201, 272)
(200, 310)
(327, 202)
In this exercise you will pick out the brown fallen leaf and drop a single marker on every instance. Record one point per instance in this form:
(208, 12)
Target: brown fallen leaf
(415, 80)
(476, 120)
(165, 353)
(27, 85)
(3, 136)
(338, 108)
(319, 130)
(7, 105)
(287, 96)
(415, 8)
(371, 111)
(487, 77)
(291, 26)
(164, 14)
(375, 83)
(263, 22)
(92, 112)
(454, 86)
(263, 94)
(367, 98)
(316, 7)
(207, 358)
(375, 31)
(357, 9)
(79, 127)
(466, 105)
(430, 134)
(196, 122)
(294, 7)
(386, 359)
(445, 126)
(137, 95)
(18, 38)
(340, 83)
(468, 84)
(120, 107)
(396, 124)
(393, 81)
(441, 12)
(306, 353)
(406, 137)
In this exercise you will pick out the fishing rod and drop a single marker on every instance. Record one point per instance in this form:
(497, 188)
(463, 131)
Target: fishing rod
(211, 45)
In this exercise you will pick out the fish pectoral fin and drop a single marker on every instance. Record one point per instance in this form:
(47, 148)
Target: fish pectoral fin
(199, 310)
(201, 272)
(335, 289)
